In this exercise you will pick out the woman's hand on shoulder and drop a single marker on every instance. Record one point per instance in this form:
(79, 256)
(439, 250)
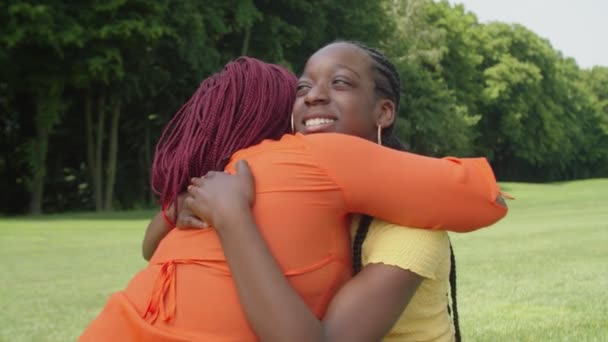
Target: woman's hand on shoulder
(186, 219)
(219, 197)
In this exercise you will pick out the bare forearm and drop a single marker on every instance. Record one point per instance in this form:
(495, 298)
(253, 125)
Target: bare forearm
(275, 311)
(157, 229)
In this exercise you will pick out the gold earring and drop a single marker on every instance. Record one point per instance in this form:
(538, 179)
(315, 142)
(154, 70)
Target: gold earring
(293, 126)
(379, 134)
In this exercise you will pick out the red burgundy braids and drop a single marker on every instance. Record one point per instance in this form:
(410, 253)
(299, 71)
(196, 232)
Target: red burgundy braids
(245, 103)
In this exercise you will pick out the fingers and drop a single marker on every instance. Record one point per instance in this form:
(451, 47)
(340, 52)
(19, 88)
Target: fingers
(242, 168)
(187, 217)
(191, 205)
(182, 196)
(198, 181)
(195, 190)
(192, 222)
(189, 201)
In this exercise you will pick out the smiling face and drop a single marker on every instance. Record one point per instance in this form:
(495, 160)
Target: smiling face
(336, 93)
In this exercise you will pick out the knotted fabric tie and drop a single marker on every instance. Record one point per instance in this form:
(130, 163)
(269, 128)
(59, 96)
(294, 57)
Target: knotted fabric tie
(163, 299)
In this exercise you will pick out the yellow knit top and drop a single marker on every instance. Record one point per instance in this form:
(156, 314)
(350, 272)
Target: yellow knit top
(426, 253)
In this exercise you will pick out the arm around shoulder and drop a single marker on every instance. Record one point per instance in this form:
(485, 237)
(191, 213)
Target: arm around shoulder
(409, 189)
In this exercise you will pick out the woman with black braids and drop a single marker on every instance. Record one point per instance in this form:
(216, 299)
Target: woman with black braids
(306, 187)
(399, 291)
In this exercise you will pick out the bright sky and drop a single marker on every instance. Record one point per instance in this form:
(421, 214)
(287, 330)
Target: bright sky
(578, 28)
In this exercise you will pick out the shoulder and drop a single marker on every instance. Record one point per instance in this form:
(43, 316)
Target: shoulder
(422, 251)
(284, 165)
(288, 147)
(384, 232)
(334, 141)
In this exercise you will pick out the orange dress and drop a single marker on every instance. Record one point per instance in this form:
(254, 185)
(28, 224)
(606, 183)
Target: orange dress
(306, 187)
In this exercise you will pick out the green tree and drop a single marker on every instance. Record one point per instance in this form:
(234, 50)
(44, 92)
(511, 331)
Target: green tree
(596, 80)
(287, 32)
(37, 36)
(535, 112)
(117, 38)
(91, 84)
(150, 53)
(435, 117)
(595, 83)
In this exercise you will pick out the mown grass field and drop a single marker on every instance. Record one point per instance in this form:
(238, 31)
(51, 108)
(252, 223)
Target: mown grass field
(539, 275)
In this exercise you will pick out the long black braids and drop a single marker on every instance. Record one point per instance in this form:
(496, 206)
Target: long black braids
(388, 84)
(454, 311)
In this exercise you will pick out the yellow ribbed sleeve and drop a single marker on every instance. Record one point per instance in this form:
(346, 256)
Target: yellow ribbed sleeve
(418, 250)
(426, 253)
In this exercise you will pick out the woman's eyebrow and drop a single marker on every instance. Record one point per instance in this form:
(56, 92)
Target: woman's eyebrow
(348, 68)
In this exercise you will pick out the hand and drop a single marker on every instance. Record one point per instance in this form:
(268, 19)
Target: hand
(219, 197)
(175, 208)
(185, 217)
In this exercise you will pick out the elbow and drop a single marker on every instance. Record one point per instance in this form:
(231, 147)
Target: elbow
(491, 211)
(146, 255)
(499, 210)
(492, 215)
(484, 217)
(501, 201)
(146, 252)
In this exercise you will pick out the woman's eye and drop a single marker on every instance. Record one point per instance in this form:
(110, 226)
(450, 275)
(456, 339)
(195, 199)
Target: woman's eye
(302, 89)
(339, 81)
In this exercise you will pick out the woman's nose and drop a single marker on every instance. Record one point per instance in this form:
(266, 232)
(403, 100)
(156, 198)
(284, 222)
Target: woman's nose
(317, 94)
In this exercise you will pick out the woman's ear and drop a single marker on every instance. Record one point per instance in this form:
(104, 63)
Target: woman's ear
(386, 113)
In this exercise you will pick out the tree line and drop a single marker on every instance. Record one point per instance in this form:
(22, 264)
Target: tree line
(86, 87)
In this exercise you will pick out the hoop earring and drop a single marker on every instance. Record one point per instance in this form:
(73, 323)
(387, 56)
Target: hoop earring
(293, 126)
(379, 135)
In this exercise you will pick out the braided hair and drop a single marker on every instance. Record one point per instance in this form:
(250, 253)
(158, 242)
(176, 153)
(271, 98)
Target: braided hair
(245, 103)
(388, 84)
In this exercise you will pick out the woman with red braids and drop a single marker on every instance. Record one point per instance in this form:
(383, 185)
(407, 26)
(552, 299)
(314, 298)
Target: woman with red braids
(402, 276)
(305, 188)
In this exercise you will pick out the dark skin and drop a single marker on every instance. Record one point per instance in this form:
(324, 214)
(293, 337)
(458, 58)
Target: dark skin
(338, 84)
(363, 310)
(158, 228)
(156, 231)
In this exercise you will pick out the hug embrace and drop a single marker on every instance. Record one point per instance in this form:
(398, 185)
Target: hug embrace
(321, 228)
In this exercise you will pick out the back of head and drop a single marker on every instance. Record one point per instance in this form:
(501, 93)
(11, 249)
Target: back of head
(245, 103)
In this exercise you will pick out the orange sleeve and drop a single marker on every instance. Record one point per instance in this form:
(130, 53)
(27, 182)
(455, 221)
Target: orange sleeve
(409, 189)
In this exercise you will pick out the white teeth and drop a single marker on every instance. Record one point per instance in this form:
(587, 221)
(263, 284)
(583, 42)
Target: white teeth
(318, 121)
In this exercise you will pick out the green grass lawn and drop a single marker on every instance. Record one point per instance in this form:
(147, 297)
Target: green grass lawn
(539, 275)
